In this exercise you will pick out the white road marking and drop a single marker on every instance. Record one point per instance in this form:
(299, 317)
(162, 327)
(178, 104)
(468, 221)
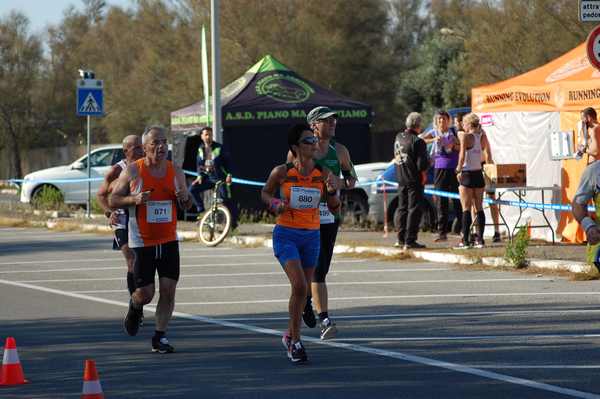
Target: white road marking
(536, 366)
(341, 345)
(355, 298)
(400, 282)
(34, 262)
(84, 269)
(184, 276)
(512, 338)
(52, 236)
(436, 315)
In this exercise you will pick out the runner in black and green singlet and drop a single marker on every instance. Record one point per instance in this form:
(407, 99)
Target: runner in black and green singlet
(335, 157)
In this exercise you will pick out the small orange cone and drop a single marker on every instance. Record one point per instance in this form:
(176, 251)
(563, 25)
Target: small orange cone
(91, 383)
(12, 372)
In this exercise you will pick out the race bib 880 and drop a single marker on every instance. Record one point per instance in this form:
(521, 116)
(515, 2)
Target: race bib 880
(304, 197)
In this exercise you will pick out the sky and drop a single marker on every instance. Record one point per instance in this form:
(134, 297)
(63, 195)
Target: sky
(44, 12)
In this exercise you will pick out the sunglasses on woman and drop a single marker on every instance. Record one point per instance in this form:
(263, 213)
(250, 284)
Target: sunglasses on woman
(309, 140)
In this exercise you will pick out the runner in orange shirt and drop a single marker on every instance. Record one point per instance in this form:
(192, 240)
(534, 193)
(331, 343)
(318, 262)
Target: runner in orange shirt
(302, 185)
(151, 187)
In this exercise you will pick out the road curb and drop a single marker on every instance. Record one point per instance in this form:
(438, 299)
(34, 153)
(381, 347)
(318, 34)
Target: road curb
(433, 256)
(429, 256)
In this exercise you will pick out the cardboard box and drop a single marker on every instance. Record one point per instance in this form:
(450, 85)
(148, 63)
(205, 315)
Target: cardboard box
(505, 175)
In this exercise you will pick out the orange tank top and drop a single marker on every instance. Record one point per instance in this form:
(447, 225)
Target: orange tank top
(154, 222)
(303, 194)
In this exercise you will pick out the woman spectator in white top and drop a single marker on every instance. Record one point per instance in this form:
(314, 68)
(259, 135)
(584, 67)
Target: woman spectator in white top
(473, 142)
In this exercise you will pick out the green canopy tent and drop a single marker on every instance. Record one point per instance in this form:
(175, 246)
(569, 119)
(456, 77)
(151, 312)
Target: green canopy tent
(257, 110)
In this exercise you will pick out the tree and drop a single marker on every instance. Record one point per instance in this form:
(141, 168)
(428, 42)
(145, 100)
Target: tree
(509, 37)
(20, 67)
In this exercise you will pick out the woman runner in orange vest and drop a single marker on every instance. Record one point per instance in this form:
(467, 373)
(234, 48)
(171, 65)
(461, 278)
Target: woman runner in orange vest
(301, 185)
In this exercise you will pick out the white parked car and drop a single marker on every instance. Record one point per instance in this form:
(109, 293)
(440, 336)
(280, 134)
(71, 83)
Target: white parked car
(70, 179)
(373, 194)
(355, 202)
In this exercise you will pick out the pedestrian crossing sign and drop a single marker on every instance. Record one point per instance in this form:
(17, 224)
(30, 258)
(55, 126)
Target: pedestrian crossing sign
(90, 98)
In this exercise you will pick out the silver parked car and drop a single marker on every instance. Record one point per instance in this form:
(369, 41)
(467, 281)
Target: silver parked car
(70, 179)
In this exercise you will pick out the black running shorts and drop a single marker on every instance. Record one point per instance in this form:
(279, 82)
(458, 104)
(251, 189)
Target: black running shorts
(472, 179)
(328, 236)
(162, 258)
(120, 239)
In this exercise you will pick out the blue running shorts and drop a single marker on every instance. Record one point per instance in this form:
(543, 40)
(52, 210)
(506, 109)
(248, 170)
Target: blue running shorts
(292, 244)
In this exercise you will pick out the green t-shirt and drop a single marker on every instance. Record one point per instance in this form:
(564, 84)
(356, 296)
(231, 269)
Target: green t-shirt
(331, 161)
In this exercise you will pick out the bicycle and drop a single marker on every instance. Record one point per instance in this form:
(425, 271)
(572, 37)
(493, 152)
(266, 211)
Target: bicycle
(216, 221)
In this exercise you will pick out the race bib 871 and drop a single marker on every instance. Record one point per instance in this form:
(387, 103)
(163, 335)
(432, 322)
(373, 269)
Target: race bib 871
(159, 212)
(304, 197)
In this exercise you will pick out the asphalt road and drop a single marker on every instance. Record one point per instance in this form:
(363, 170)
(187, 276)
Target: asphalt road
(406, 329)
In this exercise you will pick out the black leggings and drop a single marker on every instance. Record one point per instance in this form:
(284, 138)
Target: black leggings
(328, 236)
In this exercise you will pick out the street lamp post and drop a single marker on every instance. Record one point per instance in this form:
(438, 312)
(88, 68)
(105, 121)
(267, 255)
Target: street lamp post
(215, 65)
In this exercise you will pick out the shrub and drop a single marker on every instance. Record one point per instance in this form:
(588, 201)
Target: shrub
(47, 198)
(516, 250)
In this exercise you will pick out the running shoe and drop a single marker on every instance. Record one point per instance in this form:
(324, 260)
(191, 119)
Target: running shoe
(441, 237)
(496, 237)
(328, 329)
(162, 346)
(413, 245)
(479, 244)
(462, 245)
(297, 353)
(308, 315)
(132, 320)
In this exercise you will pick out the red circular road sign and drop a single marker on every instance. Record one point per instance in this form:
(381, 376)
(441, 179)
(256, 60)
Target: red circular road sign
(593, 47)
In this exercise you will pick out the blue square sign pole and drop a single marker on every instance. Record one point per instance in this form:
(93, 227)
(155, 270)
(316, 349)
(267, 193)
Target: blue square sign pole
(90, 97)
(90, 102)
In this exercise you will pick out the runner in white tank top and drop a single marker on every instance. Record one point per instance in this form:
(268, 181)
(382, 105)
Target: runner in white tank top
(470, 176)
(132, 149)
(473, 154)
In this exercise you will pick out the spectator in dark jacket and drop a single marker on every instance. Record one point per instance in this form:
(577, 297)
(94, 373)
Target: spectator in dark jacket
(410, 156)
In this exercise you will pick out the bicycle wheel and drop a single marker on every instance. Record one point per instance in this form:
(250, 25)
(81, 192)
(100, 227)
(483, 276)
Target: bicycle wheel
(215, 225)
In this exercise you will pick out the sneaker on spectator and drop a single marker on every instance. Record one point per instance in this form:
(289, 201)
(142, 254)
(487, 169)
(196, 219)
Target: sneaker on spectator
(479, 244)
(413, 245)
(496, 237)
(474, 237)
(462, 245)
(441, 237)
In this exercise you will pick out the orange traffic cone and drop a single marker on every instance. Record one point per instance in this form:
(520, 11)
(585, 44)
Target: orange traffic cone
(12, 372)
(91, 383)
